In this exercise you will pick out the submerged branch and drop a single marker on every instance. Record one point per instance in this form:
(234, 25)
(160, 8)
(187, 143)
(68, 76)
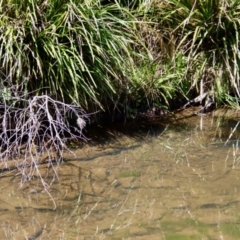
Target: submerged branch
(37, 130)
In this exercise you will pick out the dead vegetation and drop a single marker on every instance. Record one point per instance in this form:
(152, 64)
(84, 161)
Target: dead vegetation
(36, 130)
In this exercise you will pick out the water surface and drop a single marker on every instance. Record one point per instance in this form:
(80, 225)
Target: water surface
(163, 179)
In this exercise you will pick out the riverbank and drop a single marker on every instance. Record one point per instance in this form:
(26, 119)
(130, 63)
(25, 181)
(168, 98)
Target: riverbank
(144, 54)
(67, 66)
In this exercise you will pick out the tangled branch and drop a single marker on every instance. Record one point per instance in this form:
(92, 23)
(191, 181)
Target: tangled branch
(36, 128)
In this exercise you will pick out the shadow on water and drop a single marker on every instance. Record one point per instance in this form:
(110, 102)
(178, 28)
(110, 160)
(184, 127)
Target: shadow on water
(162, 179)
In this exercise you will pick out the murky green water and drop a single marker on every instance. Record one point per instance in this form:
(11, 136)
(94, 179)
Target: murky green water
(154, 181)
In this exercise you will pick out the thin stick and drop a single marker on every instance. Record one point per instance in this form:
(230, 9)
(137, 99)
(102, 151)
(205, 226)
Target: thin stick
(232, 133)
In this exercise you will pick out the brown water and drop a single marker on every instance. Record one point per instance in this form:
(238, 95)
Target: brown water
(152, 181)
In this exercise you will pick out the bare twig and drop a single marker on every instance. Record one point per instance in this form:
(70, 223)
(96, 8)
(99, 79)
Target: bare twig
(36, 127)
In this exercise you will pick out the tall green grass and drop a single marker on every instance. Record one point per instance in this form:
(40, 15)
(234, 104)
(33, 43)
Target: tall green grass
(207, 33)
(122, 53)
(73, 50)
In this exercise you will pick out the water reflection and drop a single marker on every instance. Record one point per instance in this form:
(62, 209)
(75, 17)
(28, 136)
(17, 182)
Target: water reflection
(166, 181)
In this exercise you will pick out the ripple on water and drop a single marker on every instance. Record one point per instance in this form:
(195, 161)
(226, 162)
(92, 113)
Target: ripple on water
(171, 182)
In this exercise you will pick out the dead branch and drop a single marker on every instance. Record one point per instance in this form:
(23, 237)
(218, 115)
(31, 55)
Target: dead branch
(37, 126)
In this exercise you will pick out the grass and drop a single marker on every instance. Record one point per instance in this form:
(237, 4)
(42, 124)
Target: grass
(120, 55)
(207, 33)
(71, 50)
